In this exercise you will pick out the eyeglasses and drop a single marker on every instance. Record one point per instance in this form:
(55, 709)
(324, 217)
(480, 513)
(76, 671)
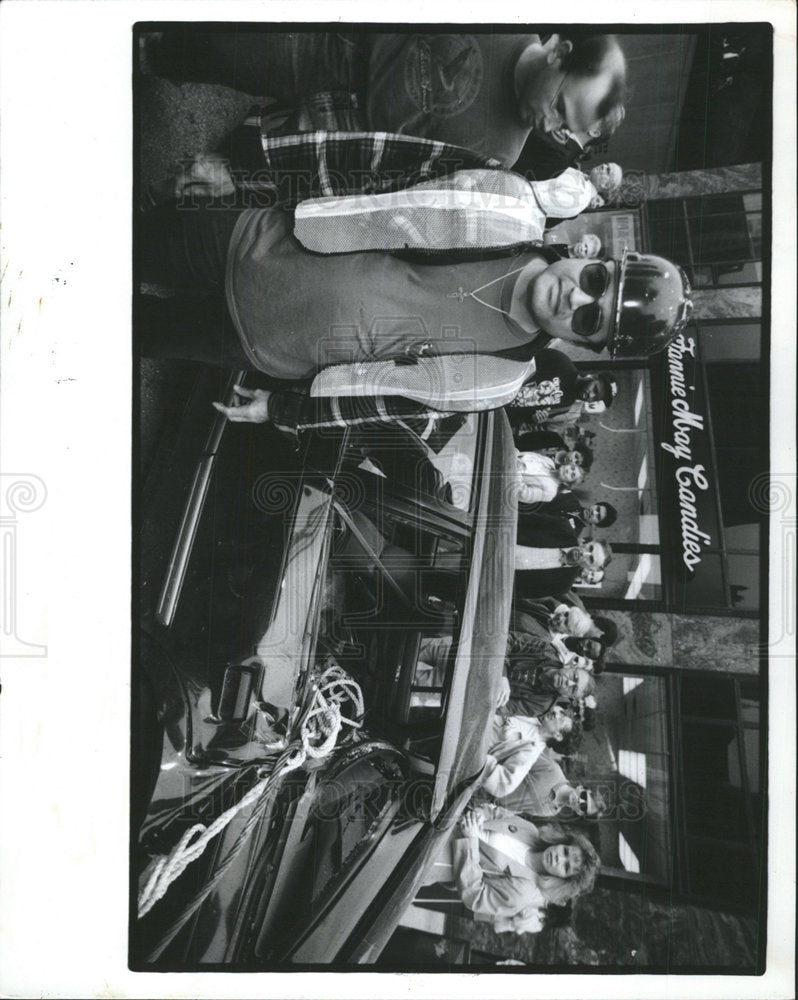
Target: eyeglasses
(593, 555)
(583, 800)
(594, 281)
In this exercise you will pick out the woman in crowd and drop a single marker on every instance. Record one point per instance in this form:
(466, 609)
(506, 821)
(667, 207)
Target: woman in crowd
(506, 869)
(574, 191)
(541, 479)
(516, 743)
(580, 454)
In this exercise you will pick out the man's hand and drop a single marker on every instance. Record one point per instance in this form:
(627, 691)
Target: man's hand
(255, 411)
(206, 176)
(504, 693)
(471, 824)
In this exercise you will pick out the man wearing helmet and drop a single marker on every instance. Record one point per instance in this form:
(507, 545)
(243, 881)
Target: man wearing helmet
(449, 329)
(545, 791)
(379, 307)
(630, 306)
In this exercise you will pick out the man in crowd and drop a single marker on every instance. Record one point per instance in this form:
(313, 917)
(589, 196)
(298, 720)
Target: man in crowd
(582, 651)
(573, 634)
(558, 383)
(551, 618)
(485, 92)
(549, 154)
(545, 791)
(549, 557)
(515, 744)
(531, 669)
(571, 650)
(566, 504)
(537, 682)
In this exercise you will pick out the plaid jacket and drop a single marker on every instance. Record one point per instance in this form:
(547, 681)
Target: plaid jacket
(289, 169)
(346, 395)
(294, 411)
(284, 170)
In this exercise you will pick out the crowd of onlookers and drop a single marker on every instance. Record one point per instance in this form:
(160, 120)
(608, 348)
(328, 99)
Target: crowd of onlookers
(527, 809)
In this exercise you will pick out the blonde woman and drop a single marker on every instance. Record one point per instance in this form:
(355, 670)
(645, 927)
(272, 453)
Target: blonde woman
(506, 869)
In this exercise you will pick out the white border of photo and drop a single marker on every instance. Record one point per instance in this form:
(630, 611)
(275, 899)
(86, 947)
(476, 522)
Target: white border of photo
(65, 185)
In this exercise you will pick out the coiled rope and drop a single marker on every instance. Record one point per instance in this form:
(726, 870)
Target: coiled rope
(320, 725)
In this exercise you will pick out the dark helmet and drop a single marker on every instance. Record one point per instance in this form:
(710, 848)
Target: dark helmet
(652, 305)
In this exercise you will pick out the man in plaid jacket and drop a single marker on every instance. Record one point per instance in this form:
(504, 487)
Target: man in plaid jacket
(486, 90)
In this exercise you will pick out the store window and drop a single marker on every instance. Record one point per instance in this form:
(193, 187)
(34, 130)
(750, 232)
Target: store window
(716, 238)
(624, 759)
(685, 539)
(677, 756)
(731, 341)
(624, 475)
(618, 229)
(720, 787)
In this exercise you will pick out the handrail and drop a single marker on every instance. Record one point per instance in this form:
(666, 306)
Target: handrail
(192, 511)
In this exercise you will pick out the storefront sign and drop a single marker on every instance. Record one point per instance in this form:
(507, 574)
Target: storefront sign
(688, 490)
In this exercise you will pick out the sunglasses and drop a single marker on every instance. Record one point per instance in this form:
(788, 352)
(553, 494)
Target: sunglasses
(583, 800)
(594, 281)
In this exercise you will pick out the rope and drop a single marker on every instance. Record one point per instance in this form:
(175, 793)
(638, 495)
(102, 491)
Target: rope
(322, 721)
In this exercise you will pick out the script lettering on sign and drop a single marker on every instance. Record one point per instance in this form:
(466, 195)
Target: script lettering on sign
(690, 476)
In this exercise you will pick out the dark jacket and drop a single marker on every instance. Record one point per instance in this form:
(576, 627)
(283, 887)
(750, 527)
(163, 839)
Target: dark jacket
(544, 157)
(545, 582)
(567, 506)
(541, 530)
(545, 532)
(532, 440)
(532, 692)
(526, 611)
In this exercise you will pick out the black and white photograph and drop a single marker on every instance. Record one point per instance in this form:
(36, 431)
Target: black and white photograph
(403, 445)
(453, 466)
